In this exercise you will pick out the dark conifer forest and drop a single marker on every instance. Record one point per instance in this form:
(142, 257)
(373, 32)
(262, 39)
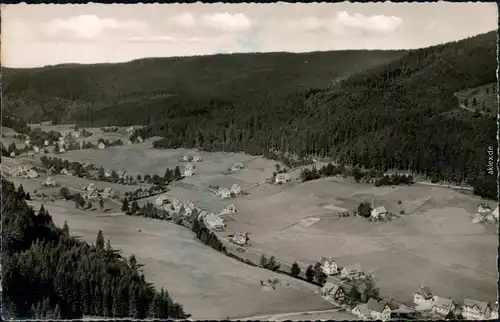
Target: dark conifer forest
(48, 274)
(372, 109)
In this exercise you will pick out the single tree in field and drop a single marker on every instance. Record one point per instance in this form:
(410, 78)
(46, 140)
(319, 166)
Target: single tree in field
(101, 204)
(101, 173)
(310, 273)
(139, 178)
(364, 209)
(64, 192)
(354, 294)
(263, 261)
(99, 243)
(295, 271)
(135, 207)
(125, 205)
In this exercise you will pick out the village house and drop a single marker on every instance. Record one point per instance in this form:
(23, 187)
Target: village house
(235, 189)
(189, 166)
(176, 204)
(237, 166)
(224, 193)
(107, 193)
(121, 174)
(27, 143)
(282, 178)
(129, 142)
(197, 158)
(328, 266)
(62, 149)
(36, 149)
(495, 213)
(378, 213)
(46, 142)
(32, 174)
(188, 173)
(130, 129)
(476, 310)
(50, 182)
(230, 209)
(64, 171)
(362, 311)
(12, 154)
(185, 158)
(423, 298)
(90, 187)
(483, 208)
(379, 310)
(352, 272)
(101, 146)
(333, 291)
(239, 238)
(442, 306)
(139, 139)
(160, 201)
(215, 222)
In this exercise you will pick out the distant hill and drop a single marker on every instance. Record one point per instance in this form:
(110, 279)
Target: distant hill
(60, 91)
(389, 109)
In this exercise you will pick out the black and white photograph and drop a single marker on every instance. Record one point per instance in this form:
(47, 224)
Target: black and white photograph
(249, 161)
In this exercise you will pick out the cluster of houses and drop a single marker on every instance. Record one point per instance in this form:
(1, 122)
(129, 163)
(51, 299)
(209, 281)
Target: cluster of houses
(189, 158)
(425, 301)
(485, 214)
(225, 193)
(23, 171)
(349, 272)
(375, 310)
(93, 193)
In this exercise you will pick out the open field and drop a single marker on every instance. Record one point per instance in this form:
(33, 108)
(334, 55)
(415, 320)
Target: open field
(434, 243)
(209, 284)
(437, 245)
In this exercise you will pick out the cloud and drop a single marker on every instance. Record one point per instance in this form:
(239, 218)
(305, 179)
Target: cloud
(88, 27)
(227, 21)
(184, 19)
(377, 24)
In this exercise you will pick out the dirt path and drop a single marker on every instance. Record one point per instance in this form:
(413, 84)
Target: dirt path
(273, 317)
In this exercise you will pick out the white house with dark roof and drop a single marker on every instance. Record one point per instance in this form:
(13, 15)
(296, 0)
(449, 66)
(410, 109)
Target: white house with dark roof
(188, 172)
(442, 306)
(197, 158)
(352, 272)
(362, 311)
(379, 310)
(333, 291)
(495, 213)
(328, 266)
(378, 212)
(101, 146)
(224, 193)
(235, 189)
(476, 310)
(282, 178)
(423, 298)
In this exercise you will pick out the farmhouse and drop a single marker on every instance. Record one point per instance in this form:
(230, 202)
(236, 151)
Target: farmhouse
(12, 154)
(189, 166)
(139, 139)
(64, 171)
(215, 222)
(36, 149)
(121, 174)
(185, 158)
(130, 129)
(483, 208)
(188, 173)
(50, 182)
(197, 158)
(361, 311)
(237, 166)
(352, 272)
(230, 209)
(224, 193)
(90, 187)
(282, 178)
(378, 213)
(328, 266)
(333, 291)
(475, 310)
(32, 174)
(62, 149)
(423, 297)
(129, 142)
(379, 310)
(442, 306)
(101, 146)
(235, 189)
(27, 143)
(46, 142)
(239, 238)
(495, 213)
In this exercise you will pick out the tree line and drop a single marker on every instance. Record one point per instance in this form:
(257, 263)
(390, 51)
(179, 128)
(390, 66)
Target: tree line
(66, 277)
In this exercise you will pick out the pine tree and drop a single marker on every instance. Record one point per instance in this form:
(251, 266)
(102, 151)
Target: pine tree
(99, 243)
(125, 205)
(65, 229)
(295, 271)
(310, 273)
(177, 173)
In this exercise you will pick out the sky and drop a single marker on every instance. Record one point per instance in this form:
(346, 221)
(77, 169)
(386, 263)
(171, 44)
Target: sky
(39, 35)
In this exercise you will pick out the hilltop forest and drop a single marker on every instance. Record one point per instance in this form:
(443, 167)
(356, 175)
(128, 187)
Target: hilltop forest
(372, 109)
(48, 274)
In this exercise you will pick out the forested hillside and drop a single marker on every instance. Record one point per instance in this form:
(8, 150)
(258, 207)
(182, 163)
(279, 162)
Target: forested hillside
(55, 93)
(47, 274)
(394, 115)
